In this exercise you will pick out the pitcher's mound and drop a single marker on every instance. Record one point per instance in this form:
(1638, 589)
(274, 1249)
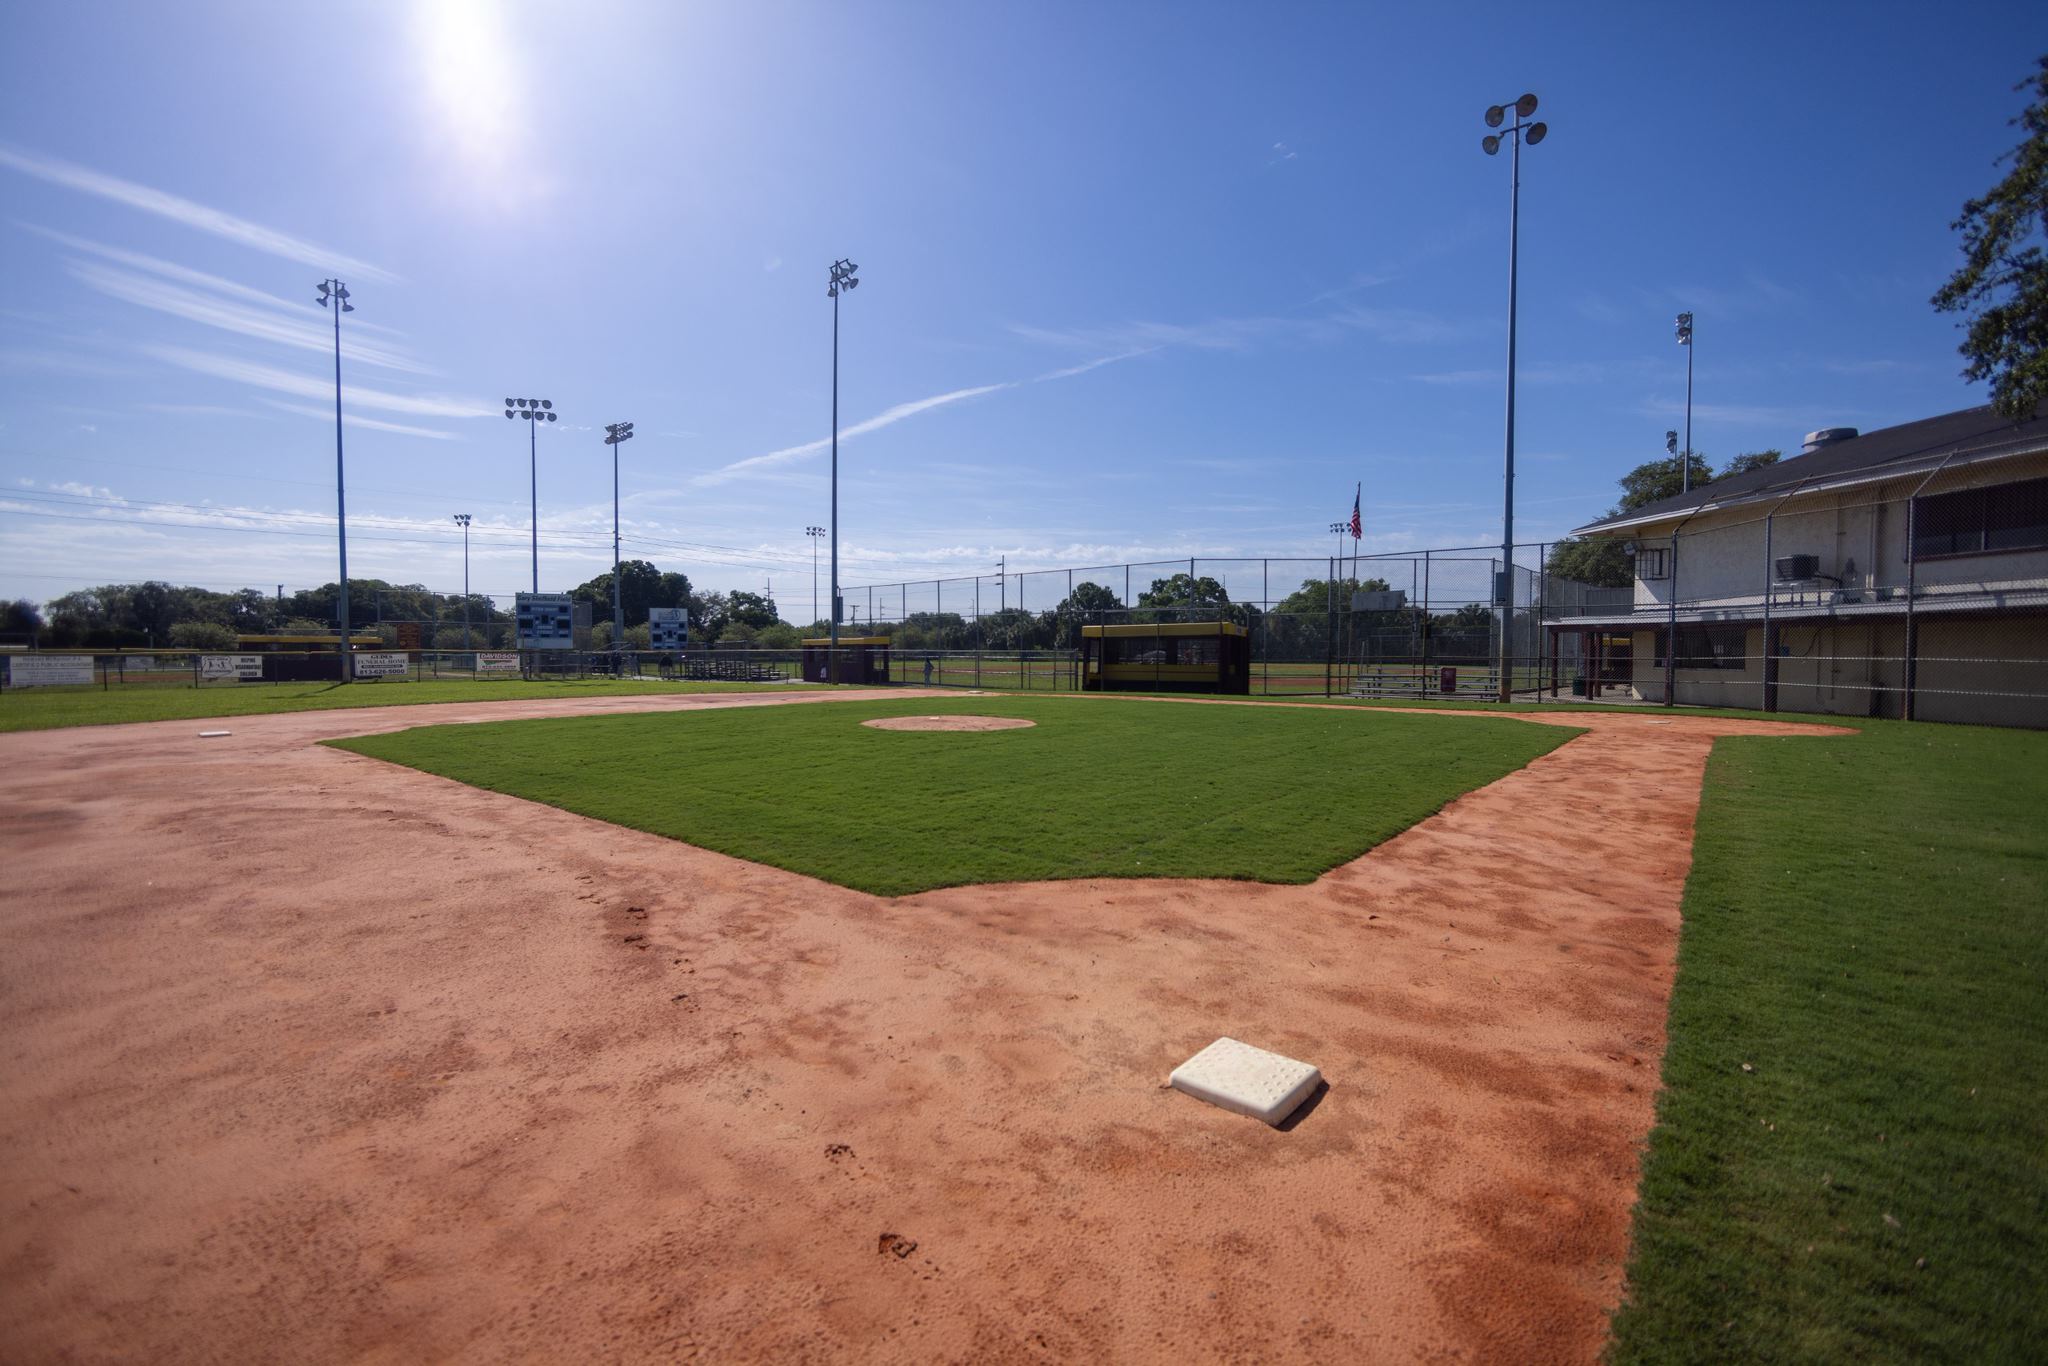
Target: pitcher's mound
(949, 723)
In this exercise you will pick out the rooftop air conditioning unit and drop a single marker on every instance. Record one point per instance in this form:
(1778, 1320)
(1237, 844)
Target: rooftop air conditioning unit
(1794, 567)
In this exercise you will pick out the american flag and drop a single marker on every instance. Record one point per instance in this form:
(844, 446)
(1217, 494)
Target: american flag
(1357, 526)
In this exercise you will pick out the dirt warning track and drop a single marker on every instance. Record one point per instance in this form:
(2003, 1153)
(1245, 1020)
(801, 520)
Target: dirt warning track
(312, 1058)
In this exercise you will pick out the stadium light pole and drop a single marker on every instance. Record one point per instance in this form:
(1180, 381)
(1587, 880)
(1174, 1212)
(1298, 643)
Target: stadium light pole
(843, 279)
(334, 295)
(1518, 133)
(462, 519)
(814, 532)
(1337, 545)
(1685, 340)
(616, 434)
(535, 411)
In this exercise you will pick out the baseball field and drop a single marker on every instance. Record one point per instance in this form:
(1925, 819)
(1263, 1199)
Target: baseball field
(795, 1024)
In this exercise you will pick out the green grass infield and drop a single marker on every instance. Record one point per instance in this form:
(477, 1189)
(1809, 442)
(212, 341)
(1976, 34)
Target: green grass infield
(1268, 794)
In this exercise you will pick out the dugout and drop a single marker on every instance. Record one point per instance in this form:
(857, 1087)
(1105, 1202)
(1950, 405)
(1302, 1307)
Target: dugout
(303, 659)
(1167, 656)
(862, 659)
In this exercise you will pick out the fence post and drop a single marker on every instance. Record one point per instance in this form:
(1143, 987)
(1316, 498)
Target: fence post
(1330, 626)
(1266, 628)
(1768, 673)
(1671, 630)
(1427, 623)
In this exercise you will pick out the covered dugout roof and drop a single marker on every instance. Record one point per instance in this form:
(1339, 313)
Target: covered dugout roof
(1168, 628)
(826, 641)
(1959, 438)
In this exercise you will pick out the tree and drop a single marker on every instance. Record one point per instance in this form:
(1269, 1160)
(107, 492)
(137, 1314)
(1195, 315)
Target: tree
(755, 609)
(1598, 561)
(1753, 460)
(203, 635)
(20, 618)
(641, 586)
(1090, 604)
(1182, 591)
(2003, 283)
(1315, 595)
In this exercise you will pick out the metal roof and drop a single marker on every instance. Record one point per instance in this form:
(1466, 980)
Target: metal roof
(1888, 453)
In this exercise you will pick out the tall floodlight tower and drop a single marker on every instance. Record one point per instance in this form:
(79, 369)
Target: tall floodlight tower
(843, 279)
(1685, 340)
(616, 434)
(1504, 591)
(462, 519)
(816, 533)
(534, 411)
(334, 295)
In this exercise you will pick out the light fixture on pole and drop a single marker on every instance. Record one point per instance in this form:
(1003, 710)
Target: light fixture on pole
(334, 295)
(843, 279)
(462, 519)
(535, 411)
(1685, 340)
(815, 533)
(615, 434)
(1503, 591)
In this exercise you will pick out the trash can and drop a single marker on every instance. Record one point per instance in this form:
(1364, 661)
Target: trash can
(1447, 680)
(1578, 685)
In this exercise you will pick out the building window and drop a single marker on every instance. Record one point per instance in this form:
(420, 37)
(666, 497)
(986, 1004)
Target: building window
(1987, 521)
(1653, 562)
(1711, 647)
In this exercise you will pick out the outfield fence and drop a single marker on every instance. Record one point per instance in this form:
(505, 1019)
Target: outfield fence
(1926, 597)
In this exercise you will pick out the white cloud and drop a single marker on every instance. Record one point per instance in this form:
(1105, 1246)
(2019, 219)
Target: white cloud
(193, 215)
(305, 386)
(883, 419)
(349, 419)
(307, 334)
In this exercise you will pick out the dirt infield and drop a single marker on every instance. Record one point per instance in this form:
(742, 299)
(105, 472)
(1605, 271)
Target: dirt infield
(309, 1057)
(950, 723)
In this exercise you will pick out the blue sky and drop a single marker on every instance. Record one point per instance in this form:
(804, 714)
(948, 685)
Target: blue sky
(1138, 281)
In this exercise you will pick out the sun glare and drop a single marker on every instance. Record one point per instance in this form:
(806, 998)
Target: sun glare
(472, 76)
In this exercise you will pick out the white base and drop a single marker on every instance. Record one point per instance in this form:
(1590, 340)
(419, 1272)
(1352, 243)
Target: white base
(1246, 1080)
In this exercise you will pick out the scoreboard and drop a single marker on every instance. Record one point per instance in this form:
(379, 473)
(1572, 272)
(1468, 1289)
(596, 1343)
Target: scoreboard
(668, 628)
(546, 621)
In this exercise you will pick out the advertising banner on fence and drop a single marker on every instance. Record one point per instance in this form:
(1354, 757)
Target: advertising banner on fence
(383, 664)
(497, 662)
(230, 666)
(48, 671)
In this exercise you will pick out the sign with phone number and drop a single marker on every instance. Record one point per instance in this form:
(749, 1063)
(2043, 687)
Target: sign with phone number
(383, 664)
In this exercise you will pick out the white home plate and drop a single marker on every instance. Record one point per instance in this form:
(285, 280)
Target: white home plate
(1246, 1080)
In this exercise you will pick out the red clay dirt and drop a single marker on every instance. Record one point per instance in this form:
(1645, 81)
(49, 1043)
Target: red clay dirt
(313, 1058)
(950, 723)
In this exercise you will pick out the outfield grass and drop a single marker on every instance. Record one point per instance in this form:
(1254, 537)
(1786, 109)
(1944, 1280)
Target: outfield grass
(49, 708)
(1090, 791)
(1865, 926)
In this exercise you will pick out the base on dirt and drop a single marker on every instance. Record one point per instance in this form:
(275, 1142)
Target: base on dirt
(1246, 1080)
